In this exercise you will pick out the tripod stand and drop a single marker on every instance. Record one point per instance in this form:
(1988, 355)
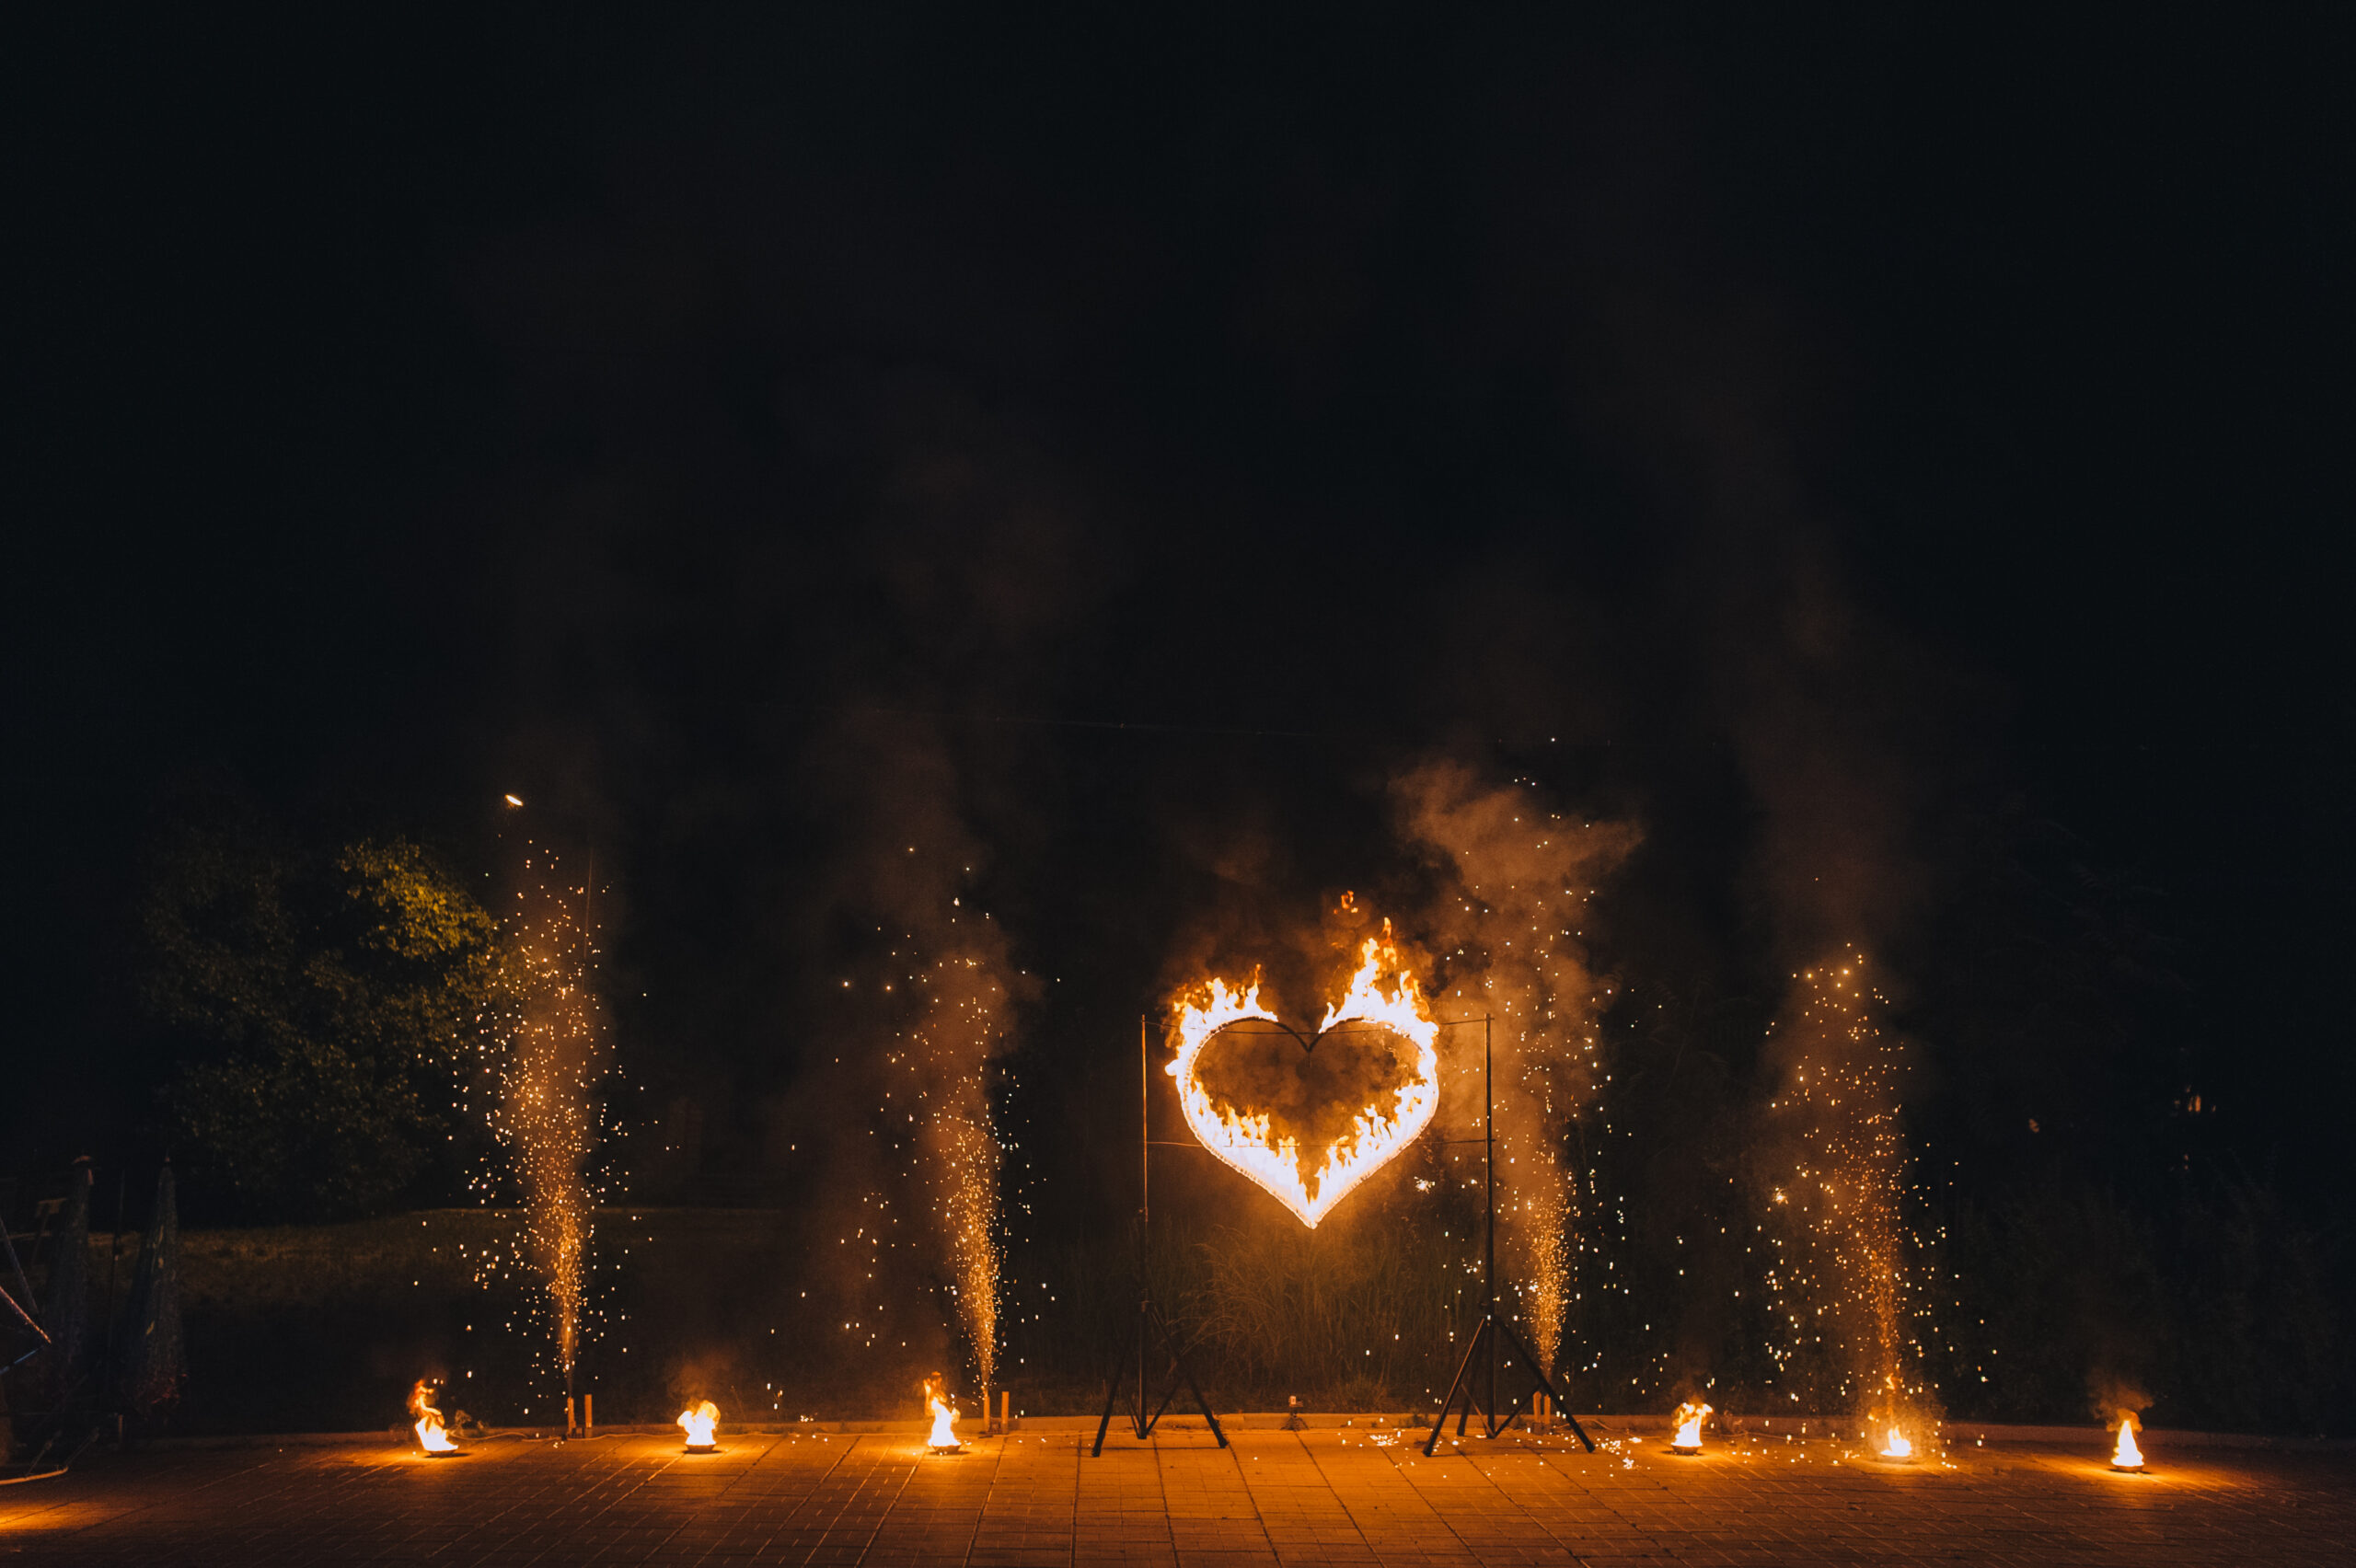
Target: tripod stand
(1485, 1355)
(1145, 1407)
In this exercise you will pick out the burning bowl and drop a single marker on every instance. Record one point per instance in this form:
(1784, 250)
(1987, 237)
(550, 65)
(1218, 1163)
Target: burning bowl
(701, 1422)
(1686, 1439)
(2126, 1455)
(433, 1437)
(942, 1438)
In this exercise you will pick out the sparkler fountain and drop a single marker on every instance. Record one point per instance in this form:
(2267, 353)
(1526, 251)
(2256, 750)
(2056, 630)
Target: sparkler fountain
(1513, 925)
(961, 1027)
(1840, 1276)
(1495, 1333)
(549, 1047)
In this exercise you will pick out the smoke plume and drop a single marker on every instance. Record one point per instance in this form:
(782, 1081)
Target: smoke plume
(927, 994)
(1511, 926)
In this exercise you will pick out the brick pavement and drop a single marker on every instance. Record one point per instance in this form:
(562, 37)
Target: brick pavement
(1275, 1497)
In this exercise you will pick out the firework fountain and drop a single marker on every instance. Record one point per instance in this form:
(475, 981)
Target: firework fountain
(547, 1050)
(1840, 1284)
(963, 1024)
(1511, 928)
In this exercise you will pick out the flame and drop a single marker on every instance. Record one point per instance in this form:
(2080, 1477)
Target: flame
(698, 1421)
(430, 1437)
(1898, 1447)
(2125, 1455)
(944, 1417)
(1689, 1426)
(1381, 992)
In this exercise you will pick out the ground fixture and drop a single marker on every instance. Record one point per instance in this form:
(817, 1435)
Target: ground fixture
(942, 1439)
(1688, 1439)
(701, 1421)
(433, 1437)
(2126, 1455)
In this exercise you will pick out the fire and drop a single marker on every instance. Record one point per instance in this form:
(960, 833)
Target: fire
(1689, 1418)
(430, 1437)
(944, 1416)
(1381, 992)
(700, 1421)
(1898, 1446)
(2125, 1455)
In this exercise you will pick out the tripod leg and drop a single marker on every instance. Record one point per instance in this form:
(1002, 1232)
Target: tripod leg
(1169, 1393)
(1562, 1409)
(1463, 1369)
(1178, 1364)
(1112, 1391)
(1484, 1335)
(1145, 1337)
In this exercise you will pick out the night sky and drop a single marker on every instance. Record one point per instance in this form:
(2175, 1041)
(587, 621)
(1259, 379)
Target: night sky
(1899, 463)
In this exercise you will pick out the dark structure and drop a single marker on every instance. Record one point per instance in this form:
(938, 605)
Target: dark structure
(1486, 1356)
(1153, 1328)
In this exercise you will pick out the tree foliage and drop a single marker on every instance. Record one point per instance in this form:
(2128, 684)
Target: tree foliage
(326, 1006)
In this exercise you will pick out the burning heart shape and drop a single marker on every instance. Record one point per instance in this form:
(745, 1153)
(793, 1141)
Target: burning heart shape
(1309, 1118)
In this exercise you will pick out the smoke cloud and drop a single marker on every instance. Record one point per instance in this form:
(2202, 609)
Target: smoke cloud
(1510, 923)
(911, 1174)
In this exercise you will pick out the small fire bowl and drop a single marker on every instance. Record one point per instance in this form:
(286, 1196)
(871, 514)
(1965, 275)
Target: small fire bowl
(2128, 1469)
(1688, 1453)
(442, 1453)
(699, 1449)
(944, 1452)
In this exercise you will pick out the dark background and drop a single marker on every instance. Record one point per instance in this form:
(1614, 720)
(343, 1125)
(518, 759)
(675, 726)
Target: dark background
(1899, 443)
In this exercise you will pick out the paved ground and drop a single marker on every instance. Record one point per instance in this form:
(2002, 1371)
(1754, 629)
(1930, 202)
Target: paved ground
(1317, 1496)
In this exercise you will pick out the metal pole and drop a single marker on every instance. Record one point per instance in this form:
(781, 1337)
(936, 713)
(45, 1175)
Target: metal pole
(114, 1255)
(583, 959)
(1145, 1211)
(1145, 1155)
(1489, 1137)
